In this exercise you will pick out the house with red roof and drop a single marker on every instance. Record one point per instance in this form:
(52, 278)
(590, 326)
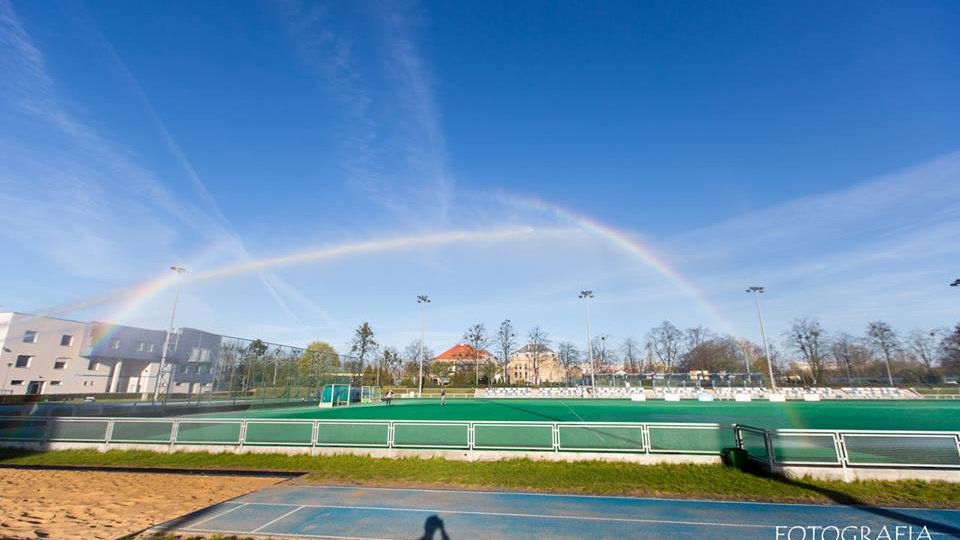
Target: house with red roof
(462, 356)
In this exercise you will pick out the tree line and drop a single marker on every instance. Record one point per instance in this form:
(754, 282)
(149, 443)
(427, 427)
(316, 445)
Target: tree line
(806, 353)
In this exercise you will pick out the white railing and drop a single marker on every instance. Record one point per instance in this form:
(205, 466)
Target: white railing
(619, 437)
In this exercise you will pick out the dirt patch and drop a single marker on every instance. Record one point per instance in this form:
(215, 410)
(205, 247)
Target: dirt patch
(85, 505)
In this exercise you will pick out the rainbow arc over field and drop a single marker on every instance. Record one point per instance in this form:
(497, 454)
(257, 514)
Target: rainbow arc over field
(133, 298)
(130, 300)
(627, 243)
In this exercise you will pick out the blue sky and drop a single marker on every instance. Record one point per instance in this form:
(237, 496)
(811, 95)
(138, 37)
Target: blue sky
(498, 156)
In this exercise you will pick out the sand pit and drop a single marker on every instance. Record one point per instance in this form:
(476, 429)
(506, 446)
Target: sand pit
(85, 505)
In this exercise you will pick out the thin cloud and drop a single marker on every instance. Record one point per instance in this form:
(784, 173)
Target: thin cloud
(394, 150)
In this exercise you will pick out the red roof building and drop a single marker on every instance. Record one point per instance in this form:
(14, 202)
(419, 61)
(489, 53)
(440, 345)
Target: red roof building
(462, 354)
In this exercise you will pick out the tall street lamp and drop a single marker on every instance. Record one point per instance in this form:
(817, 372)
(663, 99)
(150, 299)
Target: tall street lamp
(166, 342)
(586, 296)
(763, 334)
(423, 300)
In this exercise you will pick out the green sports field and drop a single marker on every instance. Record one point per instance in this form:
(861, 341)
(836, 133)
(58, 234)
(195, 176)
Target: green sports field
(875, 415)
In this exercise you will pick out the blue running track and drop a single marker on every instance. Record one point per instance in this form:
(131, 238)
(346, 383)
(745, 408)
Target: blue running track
(300, 511)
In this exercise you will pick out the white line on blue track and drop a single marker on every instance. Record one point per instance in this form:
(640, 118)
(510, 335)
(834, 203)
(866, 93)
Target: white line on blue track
(505, 514)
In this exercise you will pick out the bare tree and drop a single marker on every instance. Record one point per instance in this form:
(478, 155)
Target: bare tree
(476, 336)
(805, 337)
(506, 341)
(537, 342)
(843, 350)
(390, 362)
(568, 355)
(923, 344)
(694, 337)
(632, 358)
(363, 344)
(885, 342)
(411, 359)
(666, 342)
(950, 352)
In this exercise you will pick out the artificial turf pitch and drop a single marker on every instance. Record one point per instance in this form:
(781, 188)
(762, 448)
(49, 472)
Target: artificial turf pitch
(873, 415)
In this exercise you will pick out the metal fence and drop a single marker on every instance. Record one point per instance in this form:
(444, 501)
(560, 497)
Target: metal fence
(851, 448)
(636, 438)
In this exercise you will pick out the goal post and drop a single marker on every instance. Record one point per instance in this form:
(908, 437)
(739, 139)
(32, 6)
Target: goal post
(335, 395)
(369, 394)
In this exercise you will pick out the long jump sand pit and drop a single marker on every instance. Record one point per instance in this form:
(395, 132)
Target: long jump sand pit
(83, 504)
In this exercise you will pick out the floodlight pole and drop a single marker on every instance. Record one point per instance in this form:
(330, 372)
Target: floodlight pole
(586, 296)
(763, 334)
(423, 300)
(166, 342)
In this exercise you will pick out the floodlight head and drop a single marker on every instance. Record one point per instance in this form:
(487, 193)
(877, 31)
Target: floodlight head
(423, 299)
(586, 294)
(755, 289)
(179, 269)
(956, 283)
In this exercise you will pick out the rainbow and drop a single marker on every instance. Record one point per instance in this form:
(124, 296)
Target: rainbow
(133, 298)
(626, 243)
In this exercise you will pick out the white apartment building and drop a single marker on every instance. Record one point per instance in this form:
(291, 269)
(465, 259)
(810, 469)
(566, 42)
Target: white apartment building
(41, 355)
(47, 355)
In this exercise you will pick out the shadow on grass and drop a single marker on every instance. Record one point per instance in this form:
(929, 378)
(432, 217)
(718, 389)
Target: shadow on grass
(846, 499)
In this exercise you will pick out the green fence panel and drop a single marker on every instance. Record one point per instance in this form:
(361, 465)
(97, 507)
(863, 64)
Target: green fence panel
(352, 434)
(208, 432)
(431, 435)
(15, 429)
(80, 431)
(140, 431)
(521, 437)
(285, 434)
(902, 450)
(755, 445)
(708, 440)
(601, 438)
(812, 448)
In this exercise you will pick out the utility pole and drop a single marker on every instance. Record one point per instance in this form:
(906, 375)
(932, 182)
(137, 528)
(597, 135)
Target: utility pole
(586, 296)
(763, 334)
(166, 342)
(423, 300)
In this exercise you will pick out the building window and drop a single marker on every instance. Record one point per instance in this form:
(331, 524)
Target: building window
(183, 368)
(54, 383)
(93, 365)
(60, 363)
(66, 340)
(143, 346)
(30, 336)
(150, 347)
(16, 383)
(23, 361)
(115, 344)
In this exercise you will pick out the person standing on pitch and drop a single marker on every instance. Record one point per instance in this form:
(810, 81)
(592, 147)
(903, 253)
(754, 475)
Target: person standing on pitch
(443, 396)
(389, 397)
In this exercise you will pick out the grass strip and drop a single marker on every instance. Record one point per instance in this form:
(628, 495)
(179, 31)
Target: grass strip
(584, 477)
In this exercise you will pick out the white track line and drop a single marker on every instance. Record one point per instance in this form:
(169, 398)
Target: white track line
(287, 535)
(272, 521)
(617, 497)
(517, 514)
(215, 516)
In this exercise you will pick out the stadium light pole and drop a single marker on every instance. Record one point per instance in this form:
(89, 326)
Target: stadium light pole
(586, 296)
(763, 334)
(423, 300)
(166, 342)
